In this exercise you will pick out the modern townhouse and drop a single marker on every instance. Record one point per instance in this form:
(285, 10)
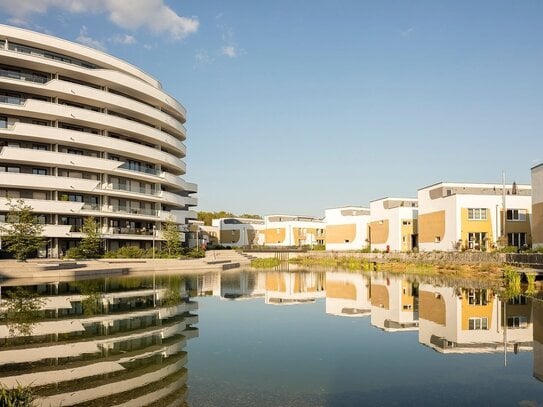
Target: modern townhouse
(537, 206)
(348, 294)
(460, 216)
(346, 228)
(293, 230)
(394, 304)
(393, 224)
(239, 231)
(83, 134)
(291, 288)
(470, 320)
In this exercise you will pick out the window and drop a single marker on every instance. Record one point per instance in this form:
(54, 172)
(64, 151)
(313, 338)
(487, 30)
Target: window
(76, 152)
(3, 122)
(14, 169)
(516, 239)
(477, 324)
(478, 297)
(517, 322)
(39, 171)
(516, 214)
(477, 213)
(40, 147)
(437, 239)
(406, 223)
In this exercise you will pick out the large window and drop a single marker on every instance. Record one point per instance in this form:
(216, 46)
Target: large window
(516, 239)
(516, 214)
(477, 324)
(477, 214)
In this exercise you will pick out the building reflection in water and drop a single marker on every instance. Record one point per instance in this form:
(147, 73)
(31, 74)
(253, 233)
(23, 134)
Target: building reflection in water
(112, 341)
(449, 319)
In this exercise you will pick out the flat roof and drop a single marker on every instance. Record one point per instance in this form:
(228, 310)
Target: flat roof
(389, 198)
(475, 185)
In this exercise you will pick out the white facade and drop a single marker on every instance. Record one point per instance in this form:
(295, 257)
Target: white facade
(293, 230)
(348, 294)
(537, 206)
(393, 224)
(82, 134)
(239, 231)
(346, 228)
(442, 212)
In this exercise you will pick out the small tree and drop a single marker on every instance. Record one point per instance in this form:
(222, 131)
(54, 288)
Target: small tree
(23, 235)
(91, 244)
(172, 237)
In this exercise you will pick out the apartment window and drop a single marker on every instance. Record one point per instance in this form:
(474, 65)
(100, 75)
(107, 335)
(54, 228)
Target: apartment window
(71, 197)
(517, 322)
(39, 171)
(347, 240)
(42, 219)
(39, 195)
(477, 214)
(437, 239)
(516, 239)
(39, 147)
(478, 324)
(13, 169)
(478, 297)
(519, 300)
(406, 223)
(516, 214)
(76, 152)
(3, 122)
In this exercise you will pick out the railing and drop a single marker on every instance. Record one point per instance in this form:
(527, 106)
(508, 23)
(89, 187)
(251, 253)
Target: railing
(91, 207)
(12, 100)
(135, 211)
(23, 76)
(139, 168)
(129, 231)
(138, 190)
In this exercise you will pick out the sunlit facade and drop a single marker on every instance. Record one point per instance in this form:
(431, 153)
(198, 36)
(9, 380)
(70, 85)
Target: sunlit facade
(83, 134)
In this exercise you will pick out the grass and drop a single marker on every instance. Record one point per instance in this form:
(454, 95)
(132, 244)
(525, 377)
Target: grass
(266, 263)
(20, 396)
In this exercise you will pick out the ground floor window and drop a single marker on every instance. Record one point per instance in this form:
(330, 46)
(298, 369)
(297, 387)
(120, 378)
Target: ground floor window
(517, 322)
(476, 240)
(476, 324)
(516, 239)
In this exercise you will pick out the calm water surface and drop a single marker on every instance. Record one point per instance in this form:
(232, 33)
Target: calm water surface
(274, 338)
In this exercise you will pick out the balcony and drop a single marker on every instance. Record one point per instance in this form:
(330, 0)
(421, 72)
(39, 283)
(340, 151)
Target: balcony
(23, 76)
(119, 209)
(128, 231)
(137, 190)
(139, 168)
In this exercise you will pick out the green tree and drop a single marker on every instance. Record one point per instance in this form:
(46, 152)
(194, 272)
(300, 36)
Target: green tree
(249, 216)
(172, 237)
(23, 234)
(22, 310)
(207, 217)
(91, 244)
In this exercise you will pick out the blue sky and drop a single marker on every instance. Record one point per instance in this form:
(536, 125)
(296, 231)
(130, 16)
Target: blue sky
(297, 106)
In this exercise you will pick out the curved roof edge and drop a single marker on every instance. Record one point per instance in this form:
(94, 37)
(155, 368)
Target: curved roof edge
(80, 51)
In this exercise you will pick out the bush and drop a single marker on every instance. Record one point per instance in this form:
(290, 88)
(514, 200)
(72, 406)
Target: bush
(128, 252)
(74, 253)
(509, 249)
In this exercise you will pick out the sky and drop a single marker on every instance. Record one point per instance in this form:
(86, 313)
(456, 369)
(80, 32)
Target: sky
(301, 105)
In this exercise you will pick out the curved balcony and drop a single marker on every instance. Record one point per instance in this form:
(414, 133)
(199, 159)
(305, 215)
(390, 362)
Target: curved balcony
(174, 199)
(51, 158)
(82, 117)
(105, 77)
(178, 183)
(48, 182)
(97, 97)
(89, 141)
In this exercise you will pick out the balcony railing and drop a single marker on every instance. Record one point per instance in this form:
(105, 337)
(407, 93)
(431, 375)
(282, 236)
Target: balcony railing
(138, 190)
(120, 209)
(139, 168)
(12, 100)
(129, 231)
(23, 76)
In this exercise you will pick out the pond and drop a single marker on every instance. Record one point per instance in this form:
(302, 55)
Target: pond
(272, 338)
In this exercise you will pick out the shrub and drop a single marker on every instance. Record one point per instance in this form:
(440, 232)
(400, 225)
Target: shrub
(74, 253)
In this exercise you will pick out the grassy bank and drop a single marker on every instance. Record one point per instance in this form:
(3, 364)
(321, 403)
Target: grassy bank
(482, 270)
(269, 262)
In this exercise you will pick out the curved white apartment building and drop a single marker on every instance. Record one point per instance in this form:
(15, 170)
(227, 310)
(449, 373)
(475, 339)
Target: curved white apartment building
(83, 133)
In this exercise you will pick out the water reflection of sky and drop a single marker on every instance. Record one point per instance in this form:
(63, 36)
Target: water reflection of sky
(258, 353)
